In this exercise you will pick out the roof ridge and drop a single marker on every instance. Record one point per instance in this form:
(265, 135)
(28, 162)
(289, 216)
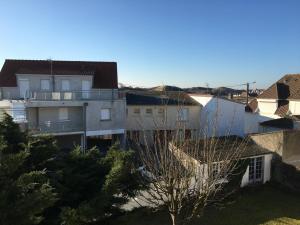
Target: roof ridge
(58, 60)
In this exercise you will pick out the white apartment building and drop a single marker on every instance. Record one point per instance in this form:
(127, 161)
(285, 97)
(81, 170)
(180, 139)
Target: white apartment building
(76, 101)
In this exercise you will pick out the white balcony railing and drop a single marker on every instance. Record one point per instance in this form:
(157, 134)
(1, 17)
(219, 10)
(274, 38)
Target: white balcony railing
(55, 127)
(75, 95)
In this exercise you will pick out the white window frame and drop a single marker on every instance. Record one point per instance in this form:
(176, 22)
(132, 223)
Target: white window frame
(43, 83)
(254, 169)
(105, 114)
(63, 114)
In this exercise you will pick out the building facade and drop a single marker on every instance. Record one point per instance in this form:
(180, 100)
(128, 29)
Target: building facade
(149, 113)
(77, 102)
(277, 108)
(220, 116)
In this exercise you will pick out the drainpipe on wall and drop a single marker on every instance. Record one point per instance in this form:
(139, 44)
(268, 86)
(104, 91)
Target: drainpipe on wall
(84, 127)
(52, 76)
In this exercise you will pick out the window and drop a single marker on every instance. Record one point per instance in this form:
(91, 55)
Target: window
(86, 88)
(256, 170)
(65, 85)
(161, 111)
(24, 88)
(63, 114)
(45, 85)
(137, 111)
(149, 111)
(105, 114)
(183, 114)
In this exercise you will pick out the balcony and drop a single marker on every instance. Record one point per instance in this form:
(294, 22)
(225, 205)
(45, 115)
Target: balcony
(76, 95)
(50, 127)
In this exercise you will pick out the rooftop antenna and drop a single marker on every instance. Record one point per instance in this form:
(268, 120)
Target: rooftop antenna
(207, 87)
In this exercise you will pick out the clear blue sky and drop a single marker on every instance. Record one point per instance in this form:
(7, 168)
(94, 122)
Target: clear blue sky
(183, 43)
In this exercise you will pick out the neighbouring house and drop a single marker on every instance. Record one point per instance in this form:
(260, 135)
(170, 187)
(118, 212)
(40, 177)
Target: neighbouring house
(76, 101)
(285, 143)
(277, 108)
(149, 113)
(258, 171)
(220, 116)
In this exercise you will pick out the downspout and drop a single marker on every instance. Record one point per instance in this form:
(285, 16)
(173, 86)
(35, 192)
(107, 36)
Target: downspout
(52, 76)
(84, 127)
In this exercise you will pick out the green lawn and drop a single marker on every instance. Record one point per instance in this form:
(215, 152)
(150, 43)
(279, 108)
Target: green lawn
(265, 205)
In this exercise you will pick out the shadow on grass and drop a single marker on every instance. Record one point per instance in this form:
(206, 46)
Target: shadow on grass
(252, 206)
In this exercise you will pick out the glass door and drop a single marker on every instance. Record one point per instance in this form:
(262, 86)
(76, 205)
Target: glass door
(256, 171)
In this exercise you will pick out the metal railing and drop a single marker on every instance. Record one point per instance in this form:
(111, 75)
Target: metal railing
(76, 95)
(55, 127)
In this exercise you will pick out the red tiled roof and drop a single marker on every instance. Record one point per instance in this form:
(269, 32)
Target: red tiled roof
(283, 108)
(252, 106)
(288, 87)
(104, 73)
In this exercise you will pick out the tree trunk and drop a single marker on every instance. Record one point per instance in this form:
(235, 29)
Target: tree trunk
(174, 218)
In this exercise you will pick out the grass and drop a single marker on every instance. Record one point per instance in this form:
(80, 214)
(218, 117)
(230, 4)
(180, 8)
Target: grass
(265, 205)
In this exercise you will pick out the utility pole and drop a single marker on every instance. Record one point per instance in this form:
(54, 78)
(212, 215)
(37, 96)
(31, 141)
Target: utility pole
(247, 94)
(247, 89)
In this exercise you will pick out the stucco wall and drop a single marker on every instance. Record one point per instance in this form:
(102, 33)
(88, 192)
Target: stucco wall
(221, 117)
(267, 107)
(272, 141)
(294, 107)
(118, 113)
(284, 143)
(252, 120)
(169, 120)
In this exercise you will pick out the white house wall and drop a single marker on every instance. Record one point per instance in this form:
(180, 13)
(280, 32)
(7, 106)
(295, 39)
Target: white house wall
(267, 107)
(252, 120)
(294, 107)
(221, 117)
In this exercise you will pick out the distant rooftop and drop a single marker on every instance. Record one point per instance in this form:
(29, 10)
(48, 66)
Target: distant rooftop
(159, 98)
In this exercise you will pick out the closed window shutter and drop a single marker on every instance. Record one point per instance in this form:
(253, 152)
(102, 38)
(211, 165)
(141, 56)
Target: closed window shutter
(105, 114)
(63, 114)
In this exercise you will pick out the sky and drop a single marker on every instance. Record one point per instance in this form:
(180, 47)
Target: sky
(160, 42)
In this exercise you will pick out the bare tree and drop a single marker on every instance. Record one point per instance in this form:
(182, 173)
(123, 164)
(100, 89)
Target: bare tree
(185, 175)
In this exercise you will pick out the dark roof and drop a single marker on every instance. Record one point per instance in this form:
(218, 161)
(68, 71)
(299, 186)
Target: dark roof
(104, 73)
(252, 106)
(159, 98)
(288, 87)
(283, 108)
(165, 88)
(222, 145)
(282, 123)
